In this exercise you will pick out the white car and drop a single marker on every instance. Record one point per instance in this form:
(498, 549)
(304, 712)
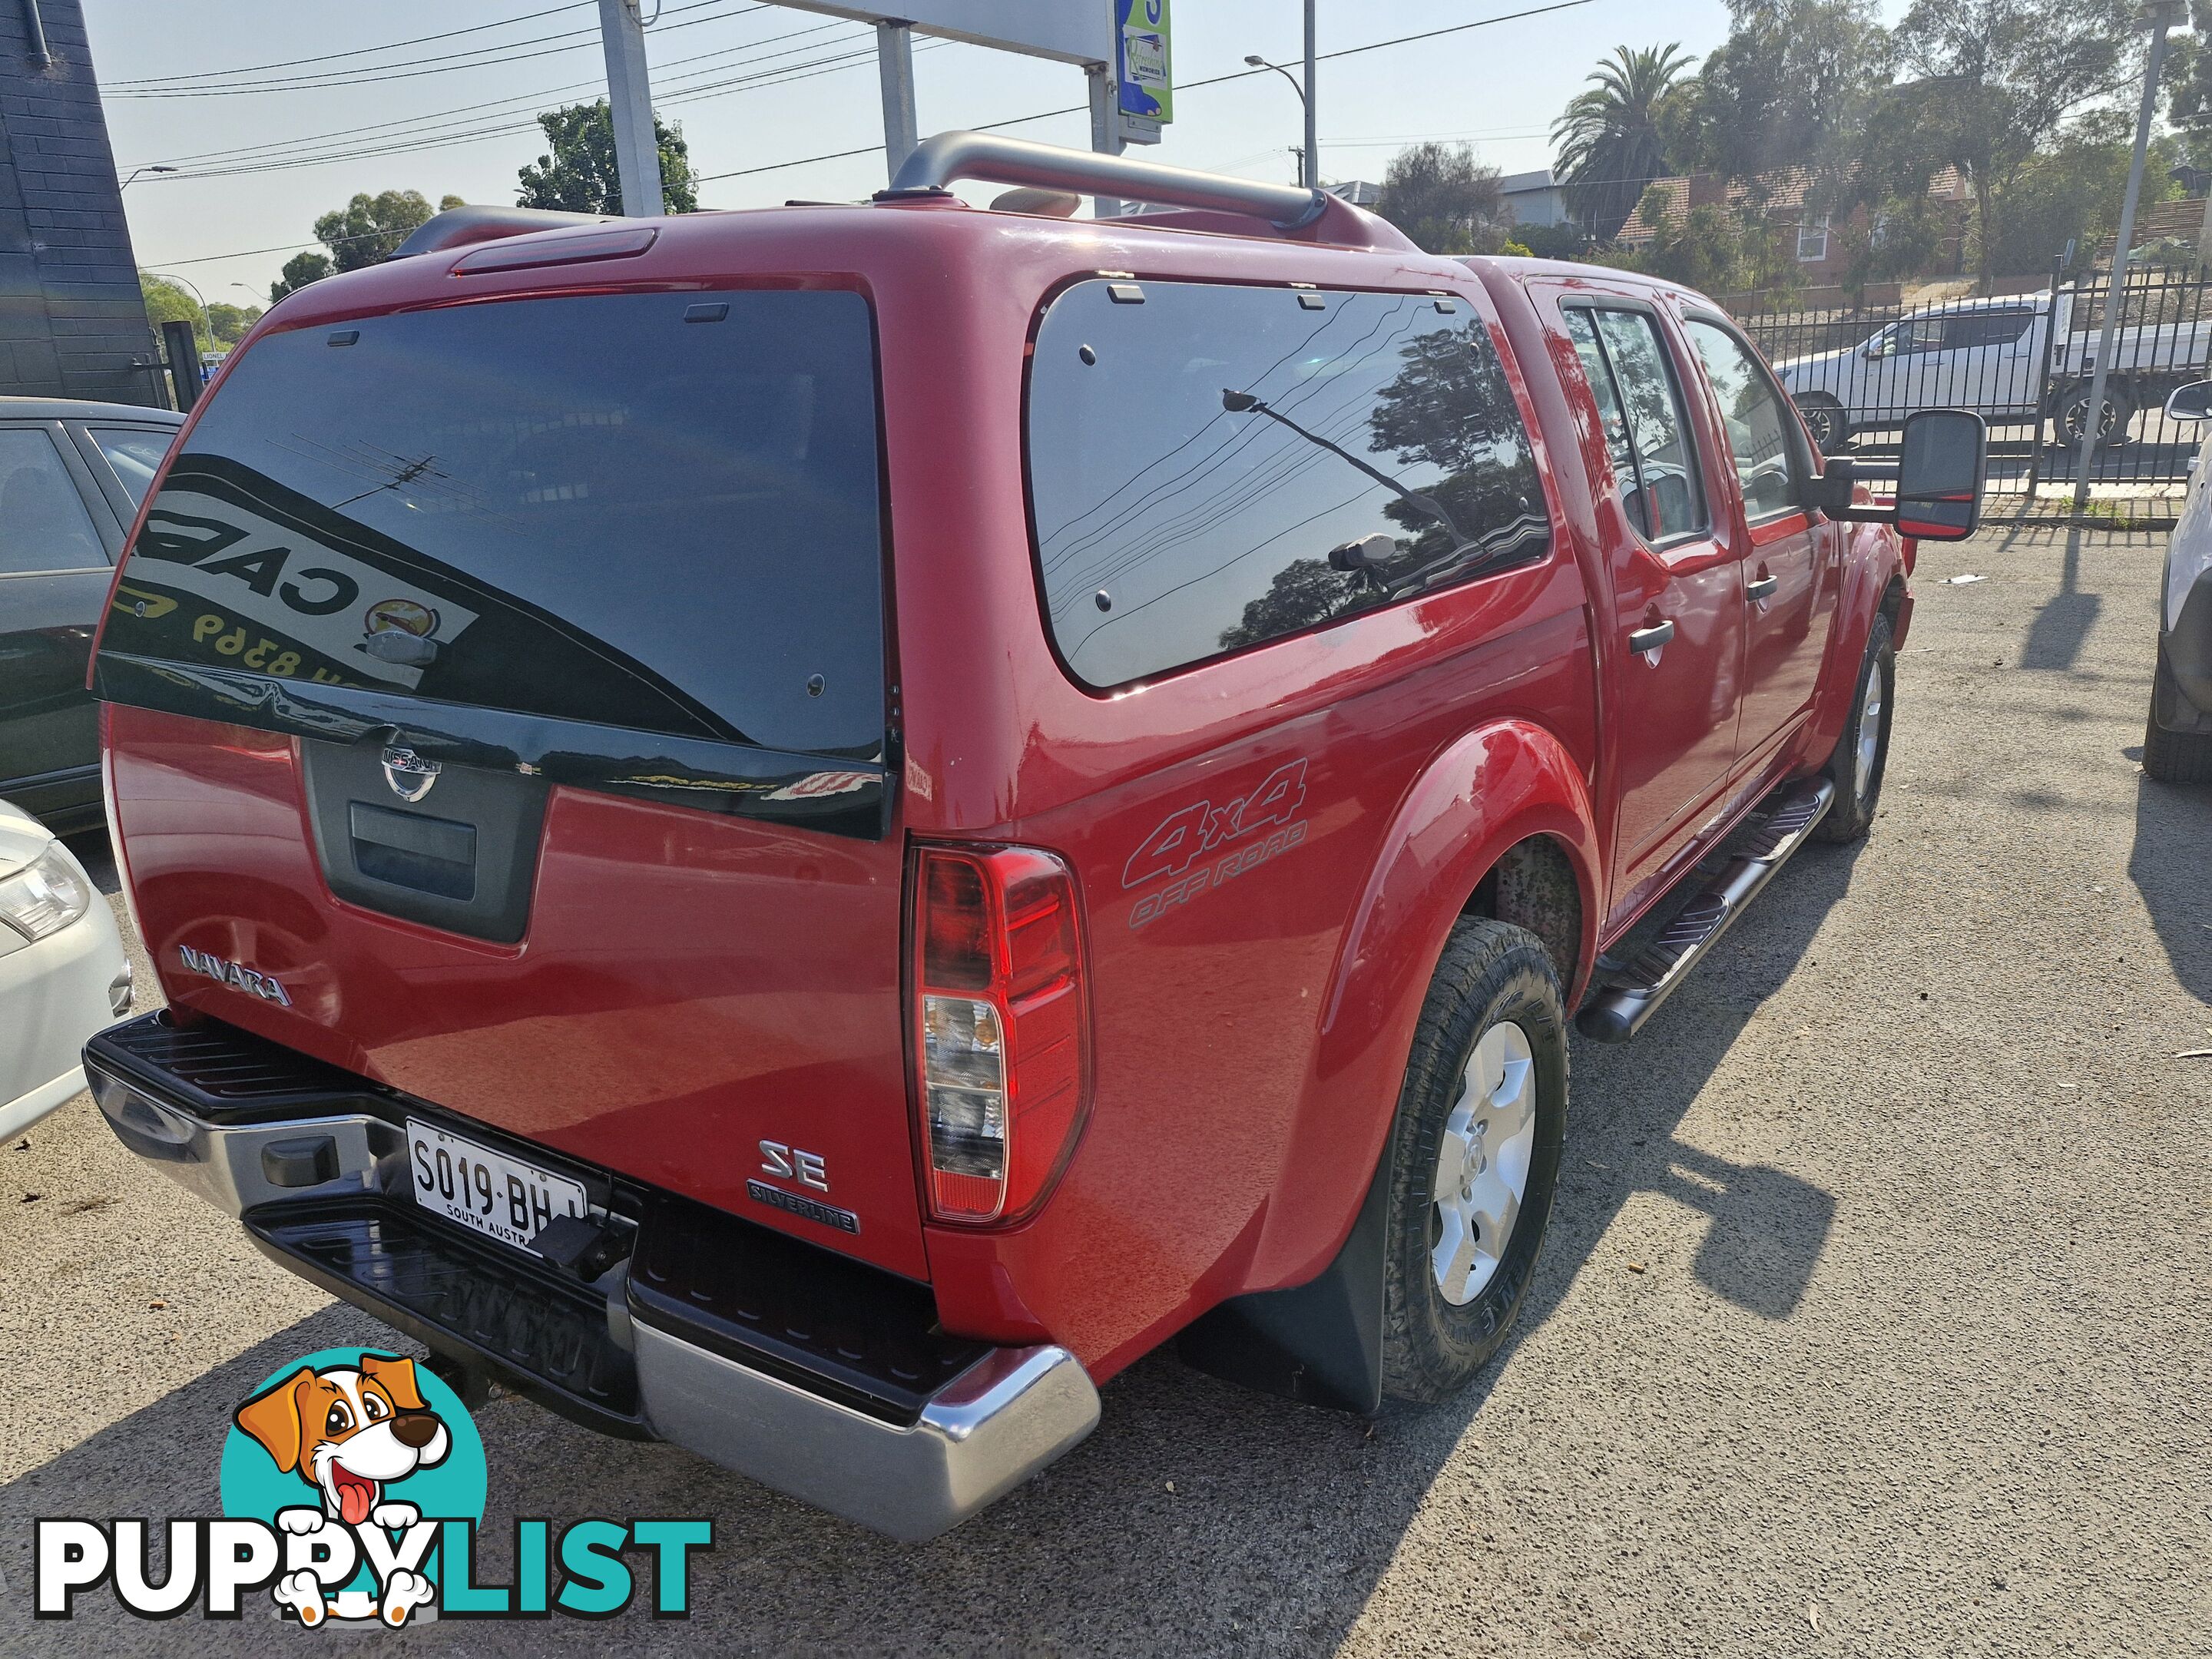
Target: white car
(2177, 740)
(63, 972)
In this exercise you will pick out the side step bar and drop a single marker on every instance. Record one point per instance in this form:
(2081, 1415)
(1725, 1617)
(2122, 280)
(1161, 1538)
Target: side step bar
(1617, 1011)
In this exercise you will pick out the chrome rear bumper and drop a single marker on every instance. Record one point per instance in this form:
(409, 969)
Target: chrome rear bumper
(328, 1196)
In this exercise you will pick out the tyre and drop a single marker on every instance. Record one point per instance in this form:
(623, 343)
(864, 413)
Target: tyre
(1826, 420)
(2071, 410)
(1862, 752)
(2172, 756)
(1475, 1157)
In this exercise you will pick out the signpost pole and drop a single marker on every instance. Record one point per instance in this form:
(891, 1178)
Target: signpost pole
(895, 59)
(2160, 14)
(2043, 379)
(1105, 129)
(630, 100)
(1312, 169)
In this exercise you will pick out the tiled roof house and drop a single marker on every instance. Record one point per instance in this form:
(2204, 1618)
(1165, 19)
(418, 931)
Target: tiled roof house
(1782, 196)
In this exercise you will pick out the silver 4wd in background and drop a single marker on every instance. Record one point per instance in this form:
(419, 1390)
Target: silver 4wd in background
(1988, 356)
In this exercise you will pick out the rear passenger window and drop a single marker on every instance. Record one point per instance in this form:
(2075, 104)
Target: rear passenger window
(1752, 415)
(43, 523)
(1211, 467)
(134, 453)
(1626, 362)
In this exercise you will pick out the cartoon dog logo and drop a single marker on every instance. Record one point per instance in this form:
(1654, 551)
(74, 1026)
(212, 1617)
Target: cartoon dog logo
(350, 1433)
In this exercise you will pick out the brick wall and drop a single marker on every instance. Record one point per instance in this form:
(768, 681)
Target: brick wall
(72, 320)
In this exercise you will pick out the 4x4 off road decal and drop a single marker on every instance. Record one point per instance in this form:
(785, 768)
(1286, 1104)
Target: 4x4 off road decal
(1254, 828)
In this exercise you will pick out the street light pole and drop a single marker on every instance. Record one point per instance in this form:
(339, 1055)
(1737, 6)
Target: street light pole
(135, 172)
(1307, 171)
(206, 316)
(2160, 14)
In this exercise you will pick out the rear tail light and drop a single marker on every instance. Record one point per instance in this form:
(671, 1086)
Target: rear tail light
(1001, 1033)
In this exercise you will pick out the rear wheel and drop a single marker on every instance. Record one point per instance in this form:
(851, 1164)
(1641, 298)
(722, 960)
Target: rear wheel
(2171, 757)
(1862, 752)
(1826, 420)
(2071, 413)
(1475, 1157)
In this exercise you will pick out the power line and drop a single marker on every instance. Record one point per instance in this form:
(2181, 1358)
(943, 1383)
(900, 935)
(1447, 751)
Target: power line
(1188, 86)
(526, 100)
(784, 75)
(358, 51)
(282, 153)
(314, 84)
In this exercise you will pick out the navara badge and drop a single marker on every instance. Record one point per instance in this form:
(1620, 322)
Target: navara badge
(409, 775)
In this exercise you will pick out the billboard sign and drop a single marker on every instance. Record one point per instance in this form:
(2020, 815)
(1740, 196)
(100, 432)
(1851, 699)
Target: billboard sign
(1072, 31)
(1142, 65)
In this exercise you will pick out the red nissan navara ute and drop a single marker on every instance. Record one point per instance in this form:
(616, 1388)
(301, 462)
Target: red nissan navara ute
(805, 831)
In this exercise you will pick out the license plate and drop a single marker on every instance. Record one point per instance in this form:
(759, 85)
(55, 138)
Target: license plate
(498, 1196)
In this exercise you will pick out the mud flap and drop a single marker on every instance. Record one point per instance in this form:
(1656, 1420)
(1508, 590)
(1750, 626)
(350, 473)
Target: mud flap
(1319, 1343)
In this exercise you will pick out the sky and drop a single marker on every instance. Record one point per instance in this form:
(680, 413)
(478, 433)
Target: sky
(228, 220)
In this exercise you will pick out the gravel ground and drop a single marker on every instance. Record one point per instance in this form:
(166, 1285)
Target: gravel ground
(1874, 1320)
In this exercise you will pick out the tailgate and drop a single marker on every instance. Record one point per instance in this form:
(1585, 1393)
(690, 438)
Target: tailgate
(501, 689)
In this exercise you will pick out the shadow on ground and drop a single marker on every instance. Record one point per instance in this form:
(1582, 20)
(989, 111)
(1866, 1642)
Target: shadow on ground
(2169, 864)
(2056, 636)
(1287, 1516)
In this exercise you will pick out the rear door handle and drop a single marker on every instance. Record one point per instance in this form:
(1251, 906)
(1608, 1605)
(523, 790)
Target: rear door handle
(1762, 589)
(1650, 639)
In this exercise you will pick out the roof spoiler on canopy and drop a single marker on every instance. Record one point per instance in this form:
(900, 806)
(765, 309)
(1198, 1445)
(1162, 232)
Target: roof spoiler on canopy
(461, 226)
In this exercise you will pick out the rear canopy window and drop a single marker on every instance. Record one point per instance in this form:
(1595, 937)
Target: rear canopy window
(1211, 467)
(653, 511)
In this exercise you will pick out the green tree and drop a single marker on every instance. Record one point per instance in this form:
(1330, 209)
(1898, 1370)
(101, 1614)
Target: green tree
(1444, 199)
(231, 323)
(1613, 137)
(2071, 193)
(171, 302)
(1552, 241)
(368, 229)
(1793, 85)
(1717, 248)
(300, 270)
(579, 175)
(1997, 79)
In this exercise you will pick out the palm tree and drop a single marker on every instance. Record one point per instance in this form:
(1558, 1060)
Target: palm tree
(1610, 138)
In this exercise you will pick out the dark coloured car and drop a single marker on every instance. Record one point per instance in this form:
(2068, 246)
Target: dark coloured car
(71, 477)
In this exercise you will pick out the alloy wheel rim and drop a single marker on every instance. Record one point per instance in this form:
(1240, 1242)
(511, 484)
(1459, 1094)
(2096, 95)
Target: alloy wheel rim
(2077, 418)
(1482, 1164)
(1869, 734)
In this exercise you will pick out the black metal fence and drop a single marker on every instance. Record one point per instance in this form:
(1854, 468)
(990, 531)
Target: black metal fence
(2024, 361)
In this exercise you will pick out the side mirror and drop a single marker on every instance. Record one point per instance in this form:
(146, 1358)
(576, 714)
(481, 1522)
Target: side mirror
(1872, 352)
(1940, 469)
(2192, 402)
(1829, 491)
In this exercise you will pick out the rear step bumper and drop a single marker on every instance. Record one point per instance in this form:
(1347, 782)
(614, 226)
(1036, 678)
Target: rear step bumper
(1617, 1012)
(821, 1377)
